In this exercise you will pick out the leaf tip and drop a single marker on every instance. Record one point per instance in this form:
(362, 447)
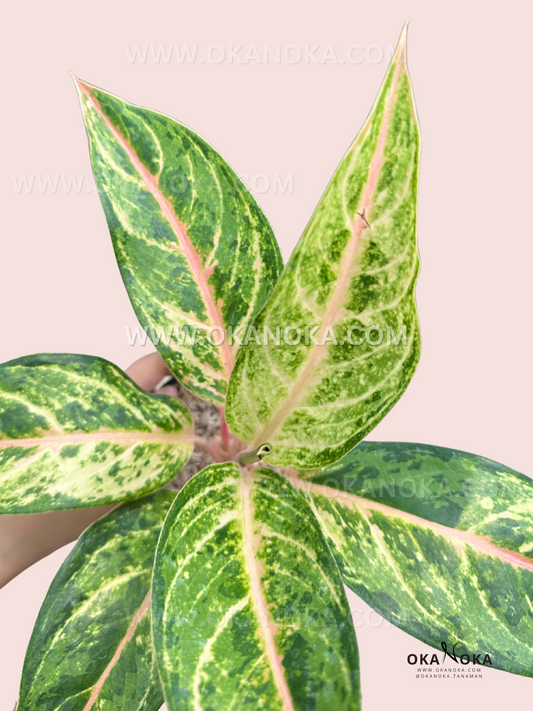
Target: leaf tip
(75, 80)
(81, 86)
(401, 48)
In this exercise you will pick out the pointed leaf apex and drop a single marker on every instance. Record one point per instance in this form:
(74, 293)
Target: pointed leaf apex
(81, 86)
(401, 48)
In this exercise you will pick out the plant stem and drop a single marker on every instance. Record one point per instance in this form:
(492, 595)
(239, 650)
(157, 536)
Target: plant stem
(224, 431)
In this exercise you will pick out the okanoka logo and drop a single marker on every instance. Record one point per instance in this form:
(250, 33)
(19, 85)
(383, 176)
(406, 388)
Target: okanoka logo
(454, 653)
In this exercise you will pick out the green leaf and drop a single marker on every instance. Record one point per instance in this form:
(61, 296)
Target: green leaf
(354, 268)
(76, 432)
(439, 542)
(248, 609)
(194, 248)
(91, 647)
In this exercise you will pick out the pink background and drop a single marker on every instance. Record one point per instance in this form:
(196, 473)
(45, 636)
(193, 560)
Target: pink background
(60, 289)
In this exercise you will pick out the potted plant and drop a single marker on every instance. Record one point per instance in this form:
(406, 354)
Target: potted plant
(230, 594)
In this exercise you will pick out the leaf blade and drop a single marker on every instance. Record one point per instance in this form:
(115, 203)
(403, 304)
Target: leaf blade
(193, 246)
(220, 600)
(75, 431)
(436, 541)
(91, 646)
(355, 268)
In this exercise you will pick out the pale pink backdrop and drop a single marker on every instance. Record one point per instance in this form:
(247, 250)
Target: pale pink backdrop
(60, 289)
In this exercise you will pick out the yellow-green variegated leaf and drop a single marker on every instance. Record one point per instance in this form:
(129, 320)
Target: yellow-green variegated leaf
(91, 647)
(75, 431)
(440, 542)
(195, 251)
(248, 609)
(349, 290)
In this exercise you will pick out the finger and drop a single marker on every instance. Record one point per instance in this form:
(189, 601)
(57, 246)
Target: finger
(148, 371)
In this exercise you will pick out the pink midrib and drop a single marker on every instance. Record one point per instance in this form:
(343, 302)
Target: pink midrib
(453, 535)
(258, 597)
(179, 229)
(101, 436)
(341, 286)
(128, 637)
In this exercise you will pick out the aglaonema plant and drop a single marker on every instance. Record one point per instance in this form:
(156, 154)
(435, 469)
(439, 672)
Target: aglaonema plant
(229, 594)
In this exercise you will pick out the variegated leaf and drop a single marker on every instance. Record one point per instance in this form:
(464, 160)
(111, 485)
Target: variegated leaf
(195, 251)
(248, 609)
(75, 432)
(349, 285)
(91, 647)
(439, 542)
